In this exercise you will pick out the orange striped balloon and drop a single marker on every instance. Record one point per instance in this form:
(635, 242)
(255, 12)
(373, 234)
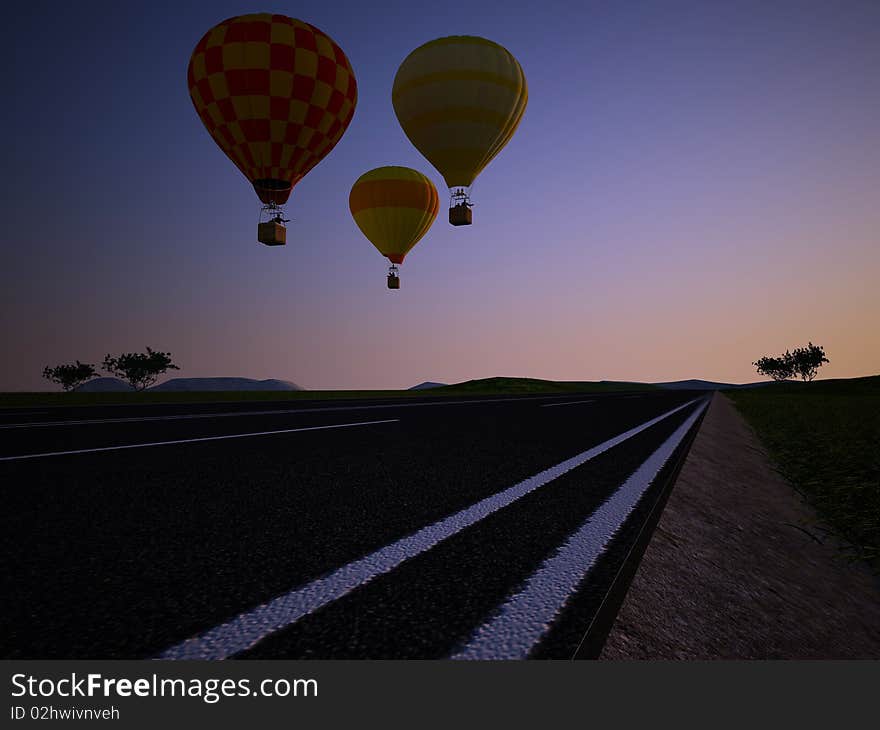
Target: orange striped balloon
(275, 93)
(394, 207)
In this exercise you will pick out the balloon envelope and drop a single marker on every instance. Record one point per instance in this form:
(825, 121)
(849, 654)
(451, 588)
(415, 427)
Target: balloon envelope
(459, 100)
(394, 207)
(275, 93)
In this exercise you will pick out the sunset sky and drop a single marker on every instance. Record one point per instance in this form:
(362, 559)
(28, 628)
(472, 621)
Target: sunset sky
(693, 185)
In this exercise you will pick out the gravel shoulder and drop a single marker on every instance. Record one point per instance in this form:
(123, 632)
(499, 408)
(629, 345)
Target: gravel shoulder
(730, 572)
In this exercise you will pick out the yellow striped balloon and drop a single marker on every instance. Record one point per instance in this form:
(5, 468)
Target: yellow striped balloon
(394, 207)
(459, 100)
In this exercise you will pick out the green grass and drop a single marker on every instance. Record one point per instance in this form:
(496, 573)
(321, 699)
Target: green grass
(487, 386)
(825, 438)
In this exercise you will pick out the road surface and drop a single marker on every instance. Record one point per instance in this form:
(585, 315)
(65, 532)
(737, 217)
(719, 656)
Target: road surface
(468, 528)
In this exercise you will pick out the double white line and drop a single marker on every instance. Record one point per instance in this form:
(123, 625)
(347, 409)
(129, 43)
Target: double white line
(245, 630)
(521, 622)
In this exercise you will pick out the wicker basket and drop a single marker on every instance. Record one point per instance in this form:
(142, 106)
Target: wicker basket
(461, 215)
(272, 234)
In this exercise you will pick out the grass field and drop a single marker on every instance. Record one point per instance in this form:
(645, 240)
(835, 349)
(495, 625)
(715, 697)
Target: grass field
(487, 386)
(825, 438)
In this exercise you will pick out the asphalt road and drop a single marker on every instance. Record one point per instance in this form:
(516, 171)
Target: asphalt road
(468, 528)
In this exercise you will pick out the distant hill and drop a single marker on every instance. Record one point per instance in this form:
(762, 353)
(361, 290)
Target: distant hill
(104, 385)
(695, 384)
(224, 384)
(427, 385)
(508, 385)
(535, 385)
(620, 385)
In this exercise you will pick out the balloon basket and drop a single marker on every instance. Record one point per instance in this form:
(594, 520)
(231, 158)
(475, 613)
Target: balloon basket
(270, 227)
(393, 277)
(460, 205)
(461, 215)
(272, 234)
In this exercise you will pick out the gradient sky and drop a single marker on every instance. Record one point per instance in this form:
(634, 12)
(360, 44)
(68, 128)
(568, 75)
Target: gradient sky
(693, 185)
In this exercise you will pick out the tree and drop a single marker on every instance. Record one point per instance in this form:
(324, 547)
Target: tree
(70, 376)
(778, 368)
(806, 361)
(138, 369)
(803, 361)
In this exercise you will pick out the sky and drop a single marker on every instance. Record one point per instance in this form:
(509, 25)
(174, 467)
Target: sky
(693, 185)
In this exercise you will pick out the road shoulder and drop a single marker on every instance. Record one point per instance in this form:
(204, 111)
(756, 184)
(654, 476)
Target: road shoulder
(728, 573)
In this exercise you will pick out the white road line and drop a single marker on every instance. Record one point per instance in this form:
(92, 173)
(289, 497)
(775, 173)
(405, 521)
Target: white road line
(567, 403)
(195, 440)
(248, 628)
(227, 414)
(526, 616)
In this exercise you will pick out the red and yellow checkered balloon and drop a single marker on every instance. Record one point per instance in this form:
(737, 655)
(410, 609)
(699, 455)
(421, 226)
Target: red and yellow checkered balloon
(275, 93)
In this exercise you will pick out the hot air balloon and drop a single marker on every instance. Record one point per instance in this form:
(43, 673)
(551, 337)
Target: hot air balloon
(459, 100)
(276, 94)
(394, 207)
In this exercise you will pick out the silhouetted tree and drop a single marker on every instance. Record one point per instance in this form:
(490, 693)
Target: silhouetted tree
(803, 361)
(70, 376)
(778, 368)
(806, 361)
(138, 369)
